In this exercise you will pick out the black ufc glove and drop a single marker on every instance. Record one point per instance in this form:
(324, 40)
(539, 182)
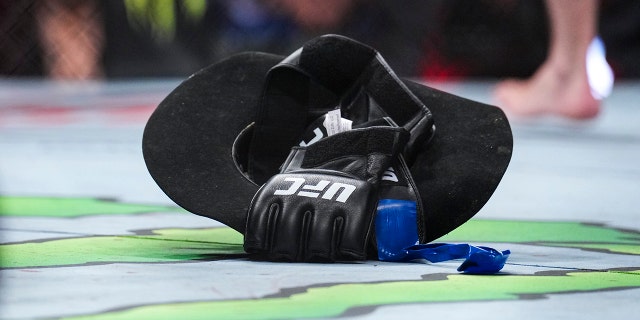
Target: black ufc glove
(322, 204)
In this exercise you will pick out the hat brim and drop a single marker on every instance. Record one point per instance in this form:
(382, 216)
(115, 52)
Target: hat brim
(188, 142)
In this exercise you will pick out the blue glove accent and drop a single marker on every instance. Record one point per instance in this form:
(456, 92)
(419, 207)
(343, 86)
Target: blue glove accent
(396, 228)
(479, 260)
(397, 238)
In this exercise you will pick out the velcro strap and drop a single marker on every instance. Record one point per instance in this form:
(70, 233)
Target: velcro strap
(328, 72)
(338, 63)
(357, 142)
(365, 152)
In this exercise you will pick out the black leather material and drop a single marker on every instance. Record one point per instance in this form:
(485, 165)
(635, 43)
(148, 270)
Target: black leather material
(308, 83)
(197, 144)
(321, 207)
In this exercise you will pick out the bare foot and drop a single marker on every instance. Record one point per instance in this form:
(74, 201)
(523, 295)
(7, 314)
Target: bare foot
(552, 90)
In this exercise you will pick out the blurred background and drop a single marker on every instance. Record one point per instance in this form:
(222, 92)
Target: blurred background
(428, 39)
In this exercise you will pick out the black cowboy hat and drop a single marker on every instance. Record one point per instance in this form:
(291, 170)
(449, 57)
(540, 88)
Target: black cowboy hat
(204, 149)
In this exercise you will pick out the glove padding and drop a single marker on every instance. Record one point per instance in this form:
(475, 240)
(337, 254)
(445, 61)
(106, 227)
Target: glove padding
(322, 204)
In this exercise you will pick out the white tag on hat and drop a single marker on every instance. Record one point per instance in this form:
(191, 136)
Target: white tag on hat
(334, 123)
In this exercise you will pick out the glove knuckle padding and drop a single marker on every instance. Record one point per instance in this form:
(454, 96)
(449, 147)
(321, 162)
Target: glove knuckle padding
(262, 221)
(317, 216)
(321, 207)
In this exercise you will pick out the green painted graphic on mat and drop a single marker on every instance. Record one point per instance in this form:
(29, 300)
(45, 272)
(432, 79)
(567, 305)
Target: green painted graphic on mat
(167, 245)
(72, 207)
(184, 245)
(176, 245)
(334, 300)
(330, 300)
(556, 233)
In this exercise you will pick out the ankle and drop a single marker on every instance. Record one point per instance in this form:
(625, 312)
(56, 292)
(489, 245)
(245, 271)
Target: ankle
(564, 68)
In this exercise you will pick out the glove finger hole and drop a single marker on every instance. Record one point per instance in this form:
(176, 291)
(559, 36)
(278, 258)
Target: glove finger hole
(336, 236)
(272, 226)
(305, 234)
(320, 247)
(288, 233)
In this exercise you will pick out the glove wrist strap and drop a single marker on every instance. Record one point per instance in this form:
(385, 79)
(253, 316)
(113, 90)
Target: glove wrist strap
(328, 72)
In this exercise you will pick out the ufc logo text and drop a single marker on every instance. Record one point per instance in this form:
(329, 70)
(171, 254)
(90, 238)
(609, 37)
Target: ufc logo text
(299, 188)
